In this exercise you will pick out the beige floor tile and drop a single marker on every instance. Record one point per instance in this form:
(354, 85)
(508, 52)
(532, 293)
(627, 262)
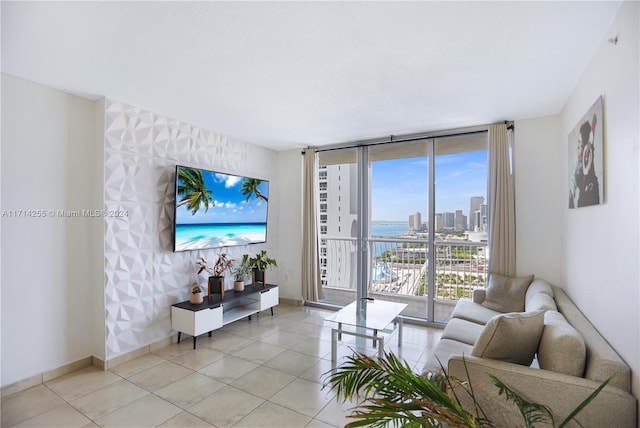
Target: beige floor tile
(137, 365)
(255, 331)
(159, 376)
(258, 352)
(226, 407)
(272, 415)
(198, 358)
(82, 382)
(225, 342)
(335, 413)
(108, 399)
(319, 424)
(283, 339)
(318, 372)
(303, 396)
(189, 390)
(228, 369)
(185, 420)
(26, 404)
(263, 382)
(148, 411)
(235, 375)
(292, 362)
(312, 346)
(171, 351)
(63, 416)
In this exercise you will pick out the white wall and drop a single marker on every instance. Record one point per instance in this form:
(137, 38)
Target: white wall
(49, 283)
(540, 199)
(602, 242)
(592, 252)
(289, 272)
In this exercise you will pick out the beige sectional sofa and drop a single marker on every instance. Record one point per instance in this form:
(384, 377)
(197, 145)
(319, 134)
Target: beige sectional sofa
(545, 349)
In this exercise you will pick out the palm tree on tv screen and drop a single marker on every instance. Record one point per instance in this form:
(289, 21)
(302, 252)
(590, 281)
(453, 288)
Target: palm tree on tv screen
(194, 190)
(250, 187)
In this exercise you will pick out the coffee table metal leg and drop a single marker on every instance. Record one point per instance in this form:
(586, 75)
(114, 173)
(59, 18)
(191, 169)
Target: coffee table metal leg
(375, 335)
(381, 347)
(334, 347)
(400, 323)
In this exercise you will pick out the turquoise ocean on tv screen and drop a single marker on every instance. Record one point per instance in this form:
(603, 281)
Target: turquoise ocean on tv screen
(200, 236)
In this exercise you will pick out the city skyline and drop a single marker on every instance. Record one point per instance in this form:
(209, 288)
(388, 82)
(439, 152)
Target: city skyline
(459, 177)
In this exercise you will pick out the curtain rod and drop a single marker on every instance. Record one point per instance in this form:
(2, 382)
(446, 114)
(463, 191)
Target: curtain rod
(412, 137)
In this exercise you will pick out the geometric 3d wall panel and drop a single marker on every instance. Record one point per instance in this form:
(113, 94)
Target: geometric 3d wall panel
(143, 277)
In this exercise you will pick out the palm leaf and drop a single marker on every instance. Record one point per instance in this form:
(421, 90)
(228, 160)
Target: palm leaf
(531, 412)
(394, 395)
(586, 401)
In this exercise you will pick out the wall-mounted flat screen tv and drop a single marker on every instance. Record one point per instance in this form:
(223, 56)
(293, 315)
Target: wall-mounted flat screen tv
(215, 209)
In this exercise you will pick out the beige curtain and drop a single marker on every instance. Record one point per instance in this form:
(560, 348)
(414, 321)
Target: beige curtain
(311, 286)
(502, 217)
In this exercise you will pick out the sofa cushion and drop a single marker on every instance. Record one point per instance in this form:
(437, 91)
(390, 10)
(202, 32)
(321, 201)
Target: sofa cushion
(474, 312)
(540, 302)
(441, 354)
(506, 294)
(561, 348)
(512, 337)
(463, 331)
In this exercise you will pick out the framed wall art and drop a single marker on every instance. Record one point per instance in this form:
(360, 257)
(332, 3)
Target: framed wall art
(586, 159)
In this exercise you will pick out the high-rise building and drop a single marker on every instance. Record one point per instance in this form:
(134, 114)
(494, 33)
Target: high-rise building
(474, 205)
(415, 222)
(460, 221)
(337, 220)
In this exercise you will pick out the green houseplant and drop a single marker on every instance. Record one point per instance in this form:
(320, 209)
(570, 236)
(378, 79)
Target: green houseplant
(259, 264)
(241, 272)
(391, 394)
(216, 279)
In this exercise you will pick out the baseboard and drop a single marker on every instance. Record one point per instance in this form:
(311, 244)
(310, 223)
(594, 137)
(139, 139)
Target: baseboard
(292, 302)
(82, 363)
(45, 376)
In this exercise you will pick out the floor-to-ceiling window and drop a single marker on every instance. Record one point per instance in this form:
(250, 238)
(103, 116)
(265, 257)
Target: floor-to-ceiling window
(387, 212)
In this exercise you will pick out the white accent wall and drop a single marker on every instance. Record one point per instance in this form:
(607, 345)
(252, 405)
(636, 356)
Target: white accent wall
(143, 276)
(592, 252)
(52, 282)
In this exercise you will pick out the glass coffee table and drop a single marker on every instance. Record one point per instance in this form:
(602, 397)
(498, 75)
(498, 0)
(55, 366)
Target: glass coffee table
(374, 317)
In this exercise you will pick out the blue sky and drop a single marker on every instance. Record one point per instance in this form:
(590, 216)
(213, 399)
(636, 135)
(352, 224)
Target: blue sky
(399, 186)
(230, 205)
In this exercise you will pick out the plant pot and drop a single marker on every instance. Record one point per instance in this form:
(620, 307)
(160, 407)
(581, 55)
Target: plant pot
(238, 285)
(259, 277)
(197, 298)
(216, 286)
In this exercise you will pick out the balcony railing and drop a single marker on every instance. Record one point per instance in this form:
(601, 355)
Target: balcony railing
(399, 266)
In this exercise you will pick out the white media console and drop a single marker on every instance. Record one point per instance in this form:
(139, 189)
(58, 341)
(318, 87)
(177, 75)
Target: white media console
(213, 313)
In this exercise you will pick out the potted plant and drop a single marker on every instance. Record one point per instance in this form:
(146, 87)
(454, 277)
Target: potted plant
(241, 272)
(216, 280)
(196, 295)
(259, 264)
(389, 393)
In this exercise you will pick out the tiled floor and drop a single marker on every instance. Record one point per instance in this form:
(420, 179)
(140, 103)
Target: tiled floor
(267, 372)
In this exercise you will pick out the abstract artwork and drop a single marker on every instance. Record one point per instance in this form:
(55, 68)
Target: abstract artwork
(586, 159)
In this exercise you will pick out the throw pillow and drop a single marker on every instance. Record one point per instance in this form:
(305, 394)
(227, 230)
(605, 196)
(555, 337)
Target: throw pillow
(505, 294)
(512, 337)
(562, 348)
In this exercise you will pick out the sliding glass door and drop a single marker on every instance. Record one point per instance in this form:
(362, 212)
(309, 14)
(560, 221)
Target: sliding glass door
(388, 212)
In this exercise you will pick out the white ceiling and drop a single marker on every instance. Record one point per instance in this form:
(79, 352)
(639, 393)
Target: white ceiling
(293, 74)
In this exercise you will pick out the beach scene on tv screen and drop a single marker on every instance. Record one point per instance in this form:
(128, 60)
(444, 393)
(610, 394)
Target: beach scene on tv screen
(219, 210)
